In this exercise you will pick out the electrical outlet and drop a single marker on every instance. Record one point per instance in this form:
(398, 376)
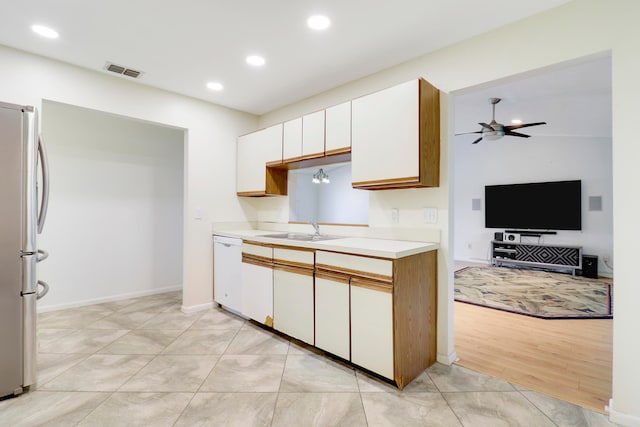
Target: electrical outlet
(395, 215)
(606, 259)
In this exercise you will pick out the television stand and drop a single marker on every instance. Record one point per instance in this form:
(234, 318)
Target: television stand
(557, 257)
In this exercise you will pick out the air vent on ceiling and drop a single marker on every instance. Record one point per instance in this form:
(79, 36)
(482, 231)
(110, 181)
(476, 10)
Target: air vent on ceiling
(119, 69)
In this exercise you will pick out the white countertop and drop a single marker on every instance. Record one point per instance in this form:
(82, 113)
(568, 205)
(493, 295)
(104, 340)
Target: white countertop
(353, 245)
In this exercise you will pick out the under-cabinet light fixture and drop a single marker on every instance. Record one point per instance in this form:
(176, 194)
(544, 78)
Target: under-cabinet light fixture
(320, 177)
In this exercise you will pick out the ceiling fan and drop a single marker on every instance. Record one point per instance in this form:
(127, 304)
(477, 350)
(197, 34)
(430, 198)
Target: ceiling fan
(495, 130)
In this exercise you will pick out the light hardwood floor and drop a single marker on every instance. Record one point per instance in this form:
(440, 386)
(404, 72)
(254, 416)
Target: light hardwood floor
(567, 359)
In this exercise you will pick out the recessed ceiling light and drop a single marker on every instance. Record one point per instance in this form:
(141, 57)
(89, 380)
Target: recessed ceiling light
(215, 86)
(318, 22)
(44, 31)
(255, 60)
(516, 121)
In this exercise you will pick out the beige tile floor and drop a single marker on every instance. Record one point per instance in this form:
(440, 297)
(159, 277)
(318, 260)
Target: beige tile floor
(142, 362)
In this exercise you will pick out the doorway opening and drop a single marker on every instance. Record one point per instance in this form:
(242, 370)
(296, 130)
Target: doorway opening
(568, 359)
(115, 224)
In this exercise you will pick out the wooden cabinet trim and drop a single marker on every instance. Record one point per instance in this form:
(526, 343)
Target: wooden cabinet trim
(251, 193)
(292, 159)
(312, 156)
(336, 151)
(429, 133)
(397, 182)
(294, 270)
(293, 264)
(257, 260)
(355, 273)
(254, 243)
(334, 277)
(372, 284)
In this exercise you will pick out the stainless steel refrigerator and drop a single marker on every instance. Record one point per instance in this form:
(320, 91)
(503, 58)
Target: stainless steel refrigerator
(23, 208)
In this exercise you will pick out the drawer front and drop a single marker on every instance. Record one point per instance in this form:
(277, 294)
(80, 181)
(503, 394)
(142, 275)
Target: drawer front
(356, 265)
(257, 250)
(294, 257)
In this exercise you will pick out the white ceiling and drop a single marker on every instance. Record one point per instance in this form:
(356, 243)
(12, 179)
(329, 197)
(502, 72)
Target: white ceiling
(181, 45)
(574, 100)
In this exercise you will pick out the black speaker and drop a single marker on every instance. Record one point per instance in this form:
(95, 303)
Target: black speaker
(498, 236)
(590, 266)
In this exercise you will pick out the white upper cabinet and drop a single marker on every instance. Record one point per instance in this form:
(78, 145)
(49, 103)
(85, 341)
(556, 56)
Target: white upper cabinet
(338, 129)
(313, 135)
(255, 151)
(292, 140)
(395, 137)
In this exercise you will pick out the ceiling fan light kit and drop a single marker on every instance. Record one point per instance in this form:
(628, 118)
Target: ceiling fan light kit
(494, 130)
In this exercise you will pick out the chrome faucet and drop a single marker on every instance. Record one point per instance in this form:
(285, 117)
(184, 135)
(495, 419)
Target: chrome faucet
(315, 227)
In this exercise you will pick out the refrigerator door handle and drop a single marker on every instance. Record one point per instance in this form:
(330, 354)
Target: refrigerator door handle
(44, 164)
(42, 255)
(45, 289)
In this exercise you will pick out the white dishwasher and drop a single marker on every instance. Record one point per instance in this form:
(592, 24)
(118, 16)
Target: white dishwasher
(227, 272)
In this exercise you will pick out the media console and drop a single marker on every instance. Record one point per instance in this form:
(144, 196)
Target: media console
(558, 257)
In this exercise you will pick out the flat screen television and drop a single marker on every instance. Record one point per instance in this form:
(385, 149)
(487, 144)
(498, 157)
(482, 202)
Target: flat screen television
(535, 206)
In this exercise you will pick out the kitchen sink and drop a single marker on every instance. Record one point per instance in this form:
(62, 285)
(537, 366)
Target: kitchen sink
(302, 237)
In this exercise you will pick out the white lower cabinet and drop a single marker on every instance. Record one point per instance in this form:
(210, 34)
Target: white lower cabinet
(257, 291)
(372, 327)
(332, 314)
(293, 302)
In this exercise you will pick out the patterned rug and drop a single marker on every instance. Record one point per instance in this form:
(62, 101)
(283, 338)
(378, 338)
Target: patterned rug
(534, 293)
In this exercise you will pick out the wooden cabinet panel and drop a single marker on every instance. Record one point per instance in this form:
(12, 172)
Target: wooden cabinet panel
(292, 140)
(257, 291)
(372, 330)
(313, 135)
(396, 137)
(338, 129)
(293, 312)
(332, 314)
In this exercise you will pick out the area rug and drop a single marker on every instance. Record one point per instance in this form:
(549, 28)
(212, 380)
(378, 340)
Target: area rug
(534, 293)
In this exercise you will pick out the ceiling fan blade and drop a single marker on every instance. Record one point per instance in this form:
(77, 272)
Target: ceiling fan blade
(477, 140)
(511, 133)
(486, 126)
(523, 125)
(467, 133)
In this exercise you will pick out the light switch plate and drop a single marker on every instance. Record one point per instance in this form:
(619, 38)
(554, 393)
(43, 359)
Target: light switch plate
(430, 215)
(198, 213)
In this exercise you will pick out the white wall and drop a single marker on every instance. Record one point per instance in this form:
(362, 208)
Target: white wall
(210, 146)
(538, 159)
(578, 29)
(114, 225)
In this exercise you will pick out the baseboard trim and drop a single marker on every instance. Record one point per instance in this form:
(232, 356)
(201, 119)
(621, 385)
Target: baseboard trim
(447, 359)
(119, 297)
(187, 309)
(622, 418)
